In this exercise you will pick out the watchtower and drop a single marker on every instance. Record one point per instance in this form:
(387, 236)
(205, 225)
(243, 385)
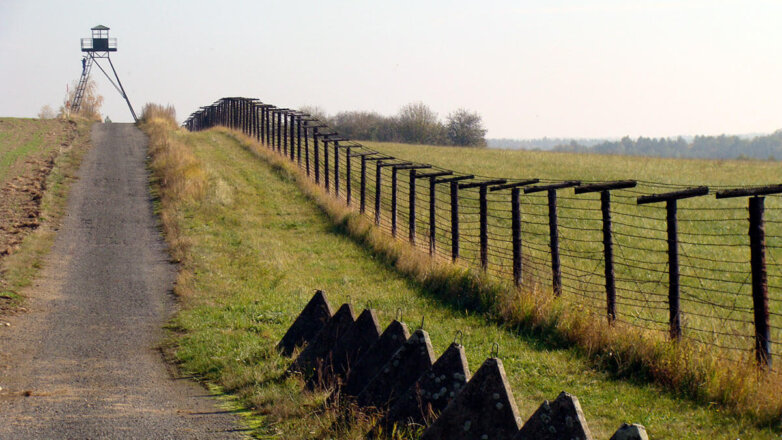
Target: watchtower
(100, 42)
(98, 46)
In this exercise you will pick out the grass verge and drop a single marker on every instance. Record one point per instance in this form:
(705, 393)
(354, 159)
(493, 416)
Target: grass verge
(253, 246)
(18, 269)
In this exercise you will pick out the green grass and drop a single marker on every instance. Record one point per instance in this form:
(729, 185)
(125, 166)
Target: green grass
(714, 251)
(25, 139)
(257, 247)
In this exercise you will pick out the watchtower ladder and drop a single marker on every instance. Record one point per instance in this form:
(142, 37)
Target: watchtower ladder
(80, 89)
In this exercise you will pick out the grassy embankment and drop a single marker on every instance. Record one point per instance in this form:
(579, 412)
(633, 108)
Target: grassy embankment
(35, 155)
(253, 246)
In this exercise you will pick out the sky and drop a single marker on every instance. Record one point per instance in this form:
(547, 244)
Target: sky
(580, 69)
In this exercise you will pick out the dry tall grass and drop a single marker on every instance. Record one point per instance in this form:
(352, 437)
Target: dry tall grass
(628, 352)
(181, 176)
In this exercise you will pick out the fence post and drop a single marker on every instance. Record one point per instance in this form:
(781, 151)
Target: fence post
(454, 220)
(378, 175)
(348, 189)
(326, 178)
(298, 139)
(393, 201)
(515, 209)
(483, 216)
(670, 198)
(316, 159)
(608, 246)
(411, 208)
(264, 110)
(291, 135)
(363, 184)
(757, 236)
(307, 148)
(336, 168)
(279, 130)
(556, 269)
(284, 132)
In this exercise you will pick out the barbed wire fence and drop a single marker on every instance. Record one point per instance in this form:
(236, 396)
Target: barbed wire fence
(658, 256)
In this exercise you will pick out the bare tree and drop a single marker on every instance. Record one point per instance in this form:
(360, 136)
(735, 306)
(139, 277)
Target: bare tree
(91, 102)
(47, 112)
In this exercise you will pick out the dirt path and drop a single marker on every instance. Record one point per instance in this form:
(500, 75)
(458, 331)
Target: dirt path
(82, 362)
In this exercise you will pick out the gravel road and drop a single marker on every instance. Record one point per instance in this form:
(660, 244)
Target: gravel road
(82, 362)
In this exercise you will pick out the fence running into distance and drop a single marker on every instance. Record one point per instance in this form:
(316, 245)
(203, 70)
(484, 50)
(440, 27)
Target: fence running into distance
(662, 257)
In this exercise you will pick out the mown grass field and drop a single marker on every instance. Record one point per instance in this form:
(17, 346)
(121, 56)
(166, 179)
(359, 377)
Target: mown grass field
(38, 160)
(254, 247)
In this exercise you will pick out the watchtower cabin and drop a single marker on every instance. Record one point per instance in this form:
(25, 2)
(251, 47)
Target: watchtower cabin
(99, 42)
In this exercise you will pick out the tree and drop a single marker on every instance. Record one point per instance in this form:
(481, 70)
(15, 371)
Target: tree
(90, 102)
(465, 128)
(316, 112)
(46, 112)
(419, 124)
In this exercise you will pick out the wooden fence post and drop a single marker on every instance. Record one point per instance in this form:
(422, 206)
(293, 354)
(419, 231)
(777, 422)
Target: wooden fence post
(757, 237)
(316, 159)
(515, 209)
(483, 217)
(454, 182)
(292, 136)
(298, 139)
(670, 198)
(432, 205)
(604, 189)
(556, 269)
(348, 175)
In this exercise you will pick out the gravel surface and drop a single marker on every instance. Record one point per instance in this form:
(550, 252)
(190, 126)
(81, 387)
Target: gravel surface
(82, 362)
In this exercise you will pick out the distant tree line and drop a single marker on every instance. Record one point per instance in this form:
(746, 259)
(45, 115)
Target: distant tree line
(415, 123)
(768, 147)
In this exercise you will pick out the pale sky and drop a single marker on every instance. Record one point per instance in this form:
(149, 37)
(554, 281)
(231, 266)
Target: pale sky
(529, 68)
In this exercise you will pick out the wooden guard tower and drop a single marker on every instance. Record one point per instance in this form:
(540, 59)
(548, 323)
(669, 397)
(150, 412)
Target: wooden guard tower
(98, 46)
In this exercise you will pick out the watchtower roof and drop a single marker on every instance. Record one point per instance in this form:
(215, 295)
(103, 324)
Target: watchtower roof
(99, 27)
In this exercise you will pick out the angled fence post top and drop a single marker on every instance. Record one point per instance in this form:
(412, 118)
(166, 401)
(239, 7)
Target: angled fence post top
(514, 185)
(605, 186)
(552, 186)
(674, 195)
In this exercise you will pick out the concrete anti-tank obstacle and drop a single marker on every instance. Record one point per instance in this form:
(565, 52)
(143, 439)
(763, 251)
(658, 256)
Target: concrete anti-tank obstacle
(562, 418)
(485, 409)
(319, 350)
(630, 432)
(412, 360)
(310, 321)
(349, 348)
(432, 392)
(392, 339)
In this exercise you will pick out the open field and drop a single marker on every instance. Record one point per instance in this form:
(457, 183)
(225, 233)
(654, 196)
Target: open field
(714, 246)
(255, 247)
(38, 159)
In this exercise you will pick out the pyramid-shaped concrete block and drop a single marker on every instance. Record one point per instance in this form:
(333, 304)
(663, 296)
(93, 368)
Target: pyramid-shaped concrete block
(630, 432)
(555, 420)
(485, 409)
(364, 332)
(432, 392)
(359, 375)
(412, 360)
(319, 350)
(310, 321)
